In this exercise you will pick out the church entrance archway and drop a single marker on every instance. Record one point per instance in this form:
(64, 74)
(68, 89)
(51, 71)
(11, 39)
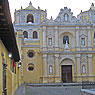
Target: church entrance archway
(67, 68)
(66, 73)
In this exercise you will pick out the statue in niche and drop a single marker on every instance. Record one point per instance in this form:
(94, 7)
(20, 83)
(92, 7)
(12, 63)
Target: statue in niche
(66, 45)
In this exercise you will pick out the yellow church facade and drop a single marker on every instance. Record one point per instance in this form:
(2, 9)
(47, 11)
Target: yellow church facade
(55, 51)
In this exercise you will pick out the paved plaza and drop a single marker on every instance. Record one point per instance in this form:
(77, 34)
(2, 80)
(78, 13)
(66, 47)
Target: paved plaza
(60, 90)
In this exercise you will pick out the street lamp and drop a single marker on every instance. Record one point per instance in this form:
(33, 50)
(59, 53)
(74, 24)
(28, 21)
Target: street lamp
(10, 55)
(19, 65)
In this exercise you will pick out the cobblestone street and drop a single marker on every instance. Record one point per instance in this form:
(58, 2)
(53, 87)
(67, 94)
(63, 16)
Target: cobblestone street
(67, 90)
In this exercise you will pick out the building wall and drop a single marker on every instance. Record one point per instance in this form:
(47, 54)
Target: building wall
(12, 78)
(35, 75)
(30, 45)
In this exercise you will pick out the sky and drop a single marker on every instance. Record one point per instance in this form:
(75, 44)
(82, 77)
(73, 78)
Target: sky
(52, 6)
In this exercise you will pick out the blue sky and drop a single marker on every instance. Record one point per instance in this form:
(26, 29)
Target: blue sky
(53, 6)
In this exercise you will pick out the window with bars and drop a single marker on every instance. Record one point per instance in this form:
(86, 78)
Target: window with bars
(83, 41)
(25, 33)
(35, 35)
(50, 41)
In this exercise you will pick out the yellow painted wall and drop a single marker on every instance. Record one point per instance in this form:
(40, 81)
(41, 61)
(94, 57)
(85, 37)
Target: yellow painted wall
(32, 76)
(12, 81)
(35, 75)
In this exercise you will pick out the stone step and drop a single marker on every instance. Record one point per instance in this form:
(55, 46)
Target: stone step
(53, 84)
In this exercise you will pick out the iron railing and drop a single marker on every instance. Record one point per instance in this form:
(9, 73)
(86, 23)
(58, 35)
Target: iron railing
(88, 82)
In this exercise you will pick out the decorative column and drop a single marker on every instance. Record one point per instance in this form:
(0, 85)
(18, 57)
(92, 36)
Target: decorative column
(4, 75)
(90, 64)
(4, 79)
(44, 68)
(44, 38)
(89, 39)
(30, 34)
(57, 69)
(22, 58)
(78, 65)
(77, 38)
(56, 38)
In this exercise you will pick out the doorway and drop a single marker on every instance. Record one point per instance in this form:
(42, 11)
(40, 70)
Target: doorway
(66, 73)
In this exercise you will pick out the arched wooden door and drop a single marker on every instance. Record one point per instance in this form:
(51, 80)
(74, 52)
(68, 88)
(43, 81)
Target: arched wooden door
(66, 73)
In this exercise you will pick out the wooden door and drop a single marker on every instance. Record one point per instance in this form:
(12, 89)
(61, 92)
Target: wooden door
(66, 73)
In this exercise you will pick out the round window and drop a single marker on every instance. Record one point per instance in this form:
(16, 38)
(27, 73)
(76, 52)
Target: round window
(30, 66)
(30, 54)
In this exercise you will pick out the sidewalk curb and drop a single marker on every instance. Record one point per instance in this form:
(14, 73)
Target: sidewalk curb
(90, 91)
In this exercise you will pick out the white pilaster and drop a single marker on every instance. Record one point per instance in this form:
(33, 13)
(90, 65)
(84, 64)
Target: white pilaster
(45, 65)
(78, 65)
(22, 62)
(56, 38)
(90, 64)
(57, 69)
(57, 64)
(89, 38)
(30, 34)
(77, 38)
(44, 38)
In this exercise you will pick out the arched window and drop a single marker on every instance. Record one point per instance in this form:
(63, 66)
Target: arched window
(25, 33)
(30, 67)
(66, 17)
(35, 35)
(83, 41)
(65, 39)
(50, 69)
(50, 41)
(94, 35)
(30, 18)
(83, 69)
